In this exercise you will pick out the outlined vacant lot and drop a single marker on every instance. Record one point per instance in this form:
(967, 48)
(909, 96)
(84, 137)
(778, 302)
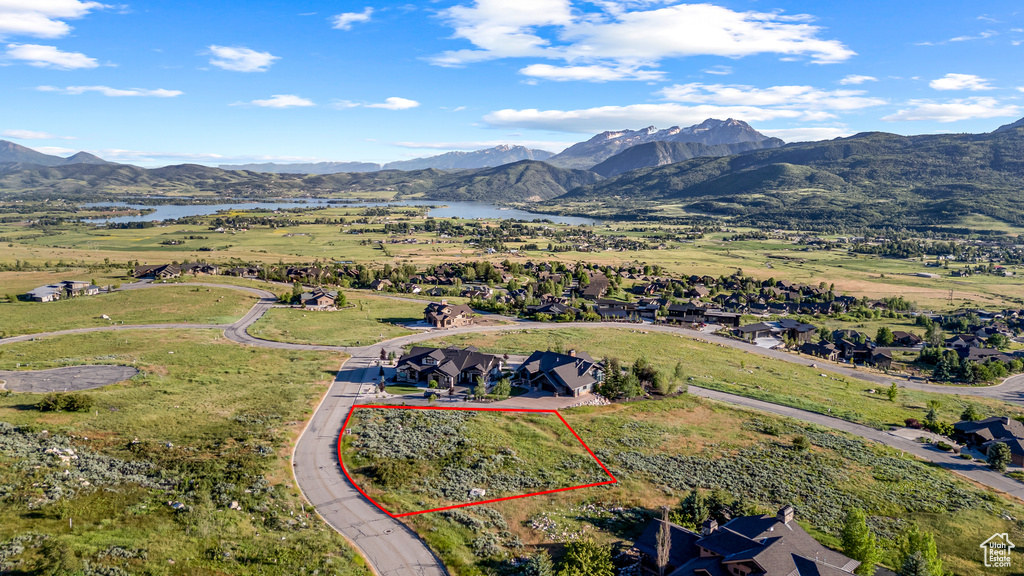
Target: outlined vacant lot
(411, 460)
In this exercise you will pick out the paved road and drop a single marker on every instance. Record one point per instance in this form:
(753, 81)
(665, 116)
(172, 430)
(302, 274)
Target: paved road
(68, 379)
(394, 550)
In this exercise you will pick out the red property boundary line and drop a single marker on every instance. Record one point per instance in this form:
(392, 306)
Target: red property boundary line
(555, 412)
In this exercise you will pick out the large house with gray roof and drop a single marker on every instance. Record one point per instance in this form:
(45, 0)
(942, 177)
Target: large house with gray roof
(745, 546)
(61, 290)
(447, 367)
(994, 430)
(572, 374)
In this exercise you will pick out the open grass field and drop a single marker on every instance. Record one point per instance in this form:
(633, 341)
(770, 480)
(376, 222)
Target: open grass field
(166, 304)
(370, 319)
(415, 460)
(855, 274)
(659, 450)
(207, 423)
(738, 372)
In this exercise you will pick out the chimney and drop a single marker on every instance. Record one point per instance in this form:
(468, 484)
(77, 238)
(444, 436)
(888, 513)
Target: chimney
(709, 526)
(785, 514)
(572, 353)
(444, 302)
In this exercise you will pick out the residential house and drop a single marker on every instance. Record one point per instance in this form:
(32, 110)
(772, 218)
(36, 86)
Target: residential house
(245, 272)
(380, 285)
(572, 374)
(755, 331)
(319, 299)
(61, 290)
(444, 315)
(825, 350)
(597, 287)
(906, 339)
(447, 367)
(997, 429)
(158, 271)
(744, 546)
(881, 360)
(552, 309)
(200, 268)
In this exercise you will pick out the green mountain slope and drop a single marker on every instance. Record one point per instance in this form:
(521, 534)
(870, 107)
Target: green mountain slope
(868, 178)
(527, 180)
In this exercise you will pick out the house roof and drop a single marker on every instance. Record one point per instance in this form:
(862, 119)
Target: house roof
(449, 361)
(996, 427)
(573, 372)
(684, 542)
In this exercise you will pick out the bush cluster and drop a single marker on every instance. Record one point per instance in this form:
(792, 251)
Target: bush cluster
(65, 402)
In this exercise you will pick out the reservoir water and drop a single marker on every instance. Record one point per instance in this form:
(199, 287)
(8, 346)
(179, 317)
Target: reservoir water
(438, 209)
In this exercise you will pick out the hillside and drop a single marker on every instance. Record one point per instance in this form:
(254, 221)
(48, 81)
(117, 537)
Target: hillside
(711, 132)
(308, 168)
(527, 181)
(497, 156)
(11, 152)
(662, 153)
(871, 178)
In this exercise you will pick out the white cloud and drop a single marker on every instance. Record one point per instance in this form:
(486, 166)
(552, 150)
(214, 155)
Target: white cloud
(808, 133)
(241, 59)
(394, 103)
(960, 82)
(113, 92)
(811, 101)
(718, 70)
(627, 34)
(41, 18)
(55, 150)
(282, 101)
(49, 57)
(953, 110)
(31, 135)
(593, 73)
(857, 79)
(590, 120)
(346, 20)
(981, 36)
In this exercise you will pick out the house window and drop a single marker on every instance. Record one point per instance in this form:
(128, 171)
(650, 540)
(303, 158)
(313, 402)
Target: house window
(428, 360)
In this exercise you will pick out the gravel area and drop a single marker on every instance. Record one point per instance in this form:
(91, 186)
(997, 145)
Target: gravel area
(68, 379)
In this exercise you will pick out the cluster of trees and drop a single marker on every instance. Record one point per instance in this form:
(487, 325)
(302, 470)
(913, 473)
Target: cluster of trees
(65, 402)
(638, 379)
(917, 554)
(582, 558)
(949, 366)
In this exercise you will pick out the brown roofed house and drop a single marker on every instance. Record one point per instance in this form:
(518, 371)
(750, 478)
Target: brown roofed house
(444, 315)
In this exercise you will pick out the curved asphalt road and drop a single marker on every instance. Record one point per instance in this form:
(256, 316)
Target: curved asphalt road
(391, 548)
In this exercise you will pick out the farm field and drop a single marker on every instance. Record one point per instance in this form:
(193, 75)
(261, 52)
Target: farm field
(737, 372)
(206, 424)
(364, 323)
(661, 450)
(415, 460)
(166, 304)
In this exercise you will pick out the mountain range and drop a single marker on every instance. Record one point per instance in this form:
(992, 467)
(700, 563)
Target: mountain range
(739, 135)
(496, 156)
(870, 179)
(11, 152)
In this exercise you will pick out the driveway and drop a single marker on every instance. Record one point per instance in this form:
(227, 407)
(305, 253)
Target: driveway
(69, 379)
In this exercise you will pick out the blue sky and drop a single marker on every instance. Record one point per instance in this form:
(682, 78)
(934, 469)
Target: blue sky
(157, 83)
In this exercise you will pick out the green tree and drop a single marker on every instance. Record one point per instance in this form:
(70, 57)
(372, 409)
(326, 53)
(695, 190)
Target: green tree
(664, 543)
(630, 387)
(884, 337)
(692, 511)
(972, 413)
(859, 542)
(893, 392)
(539, 565)
(503, 388)
(914, 565)
(587, 558)
(923, 543)
(933, 411)
(296, 291)
(998, 456)
(481, 388)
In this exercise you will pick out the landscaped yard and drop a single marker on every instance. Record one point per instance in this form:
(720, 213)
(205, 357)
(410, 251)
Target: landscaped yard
(207, 423)
(738, 372)
(166, 304)
(367, 320)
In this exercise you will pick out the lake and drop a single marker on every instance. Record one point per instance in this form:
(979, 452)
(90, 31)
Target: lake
(439, 209)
